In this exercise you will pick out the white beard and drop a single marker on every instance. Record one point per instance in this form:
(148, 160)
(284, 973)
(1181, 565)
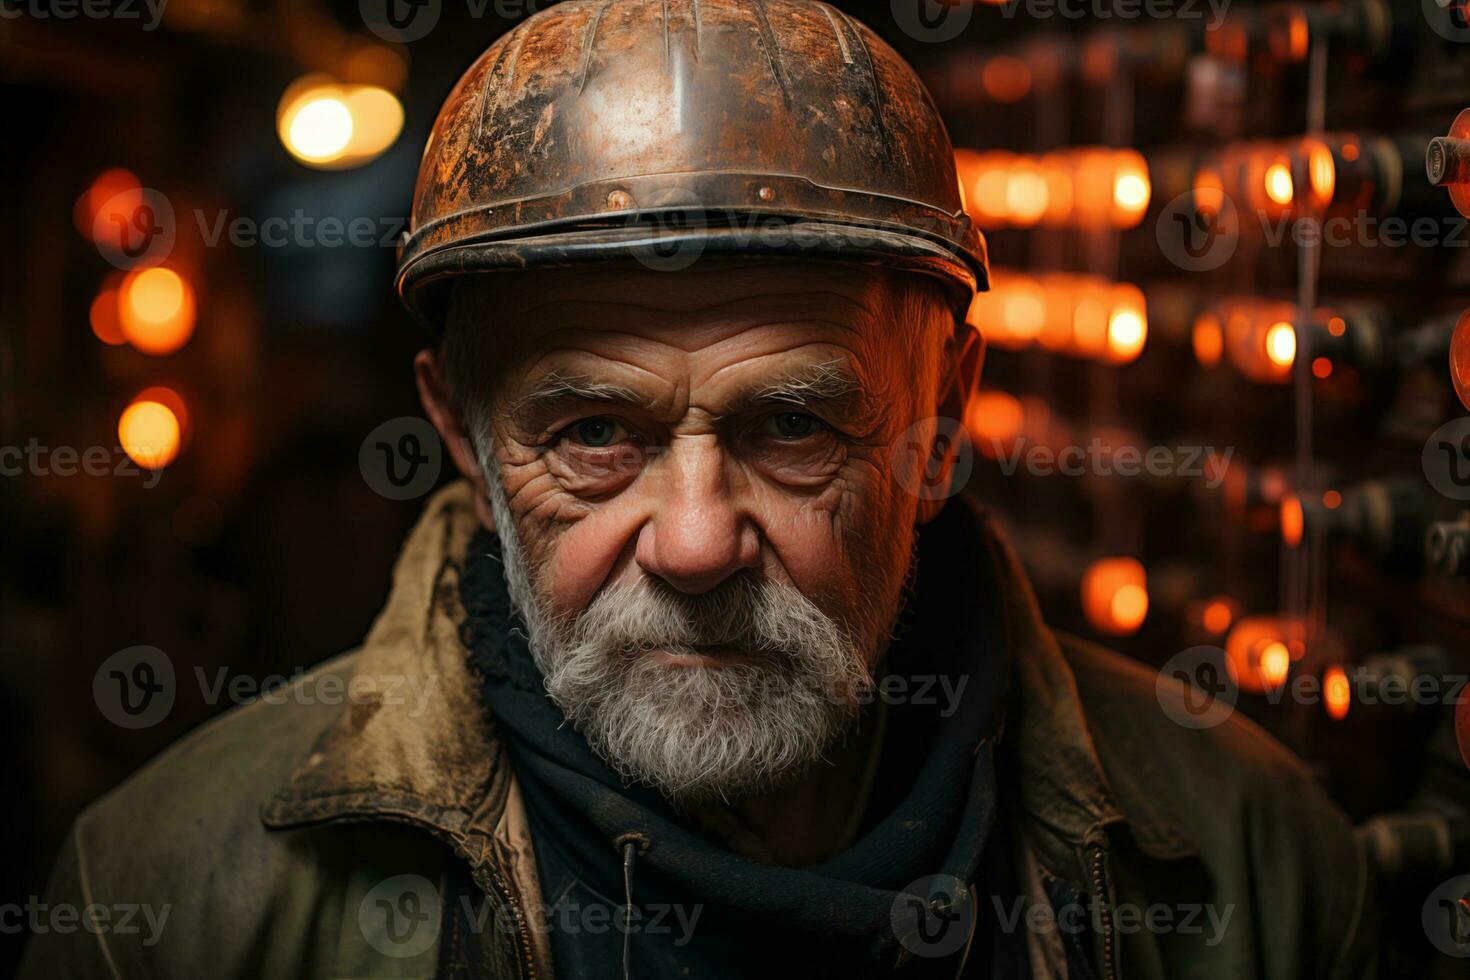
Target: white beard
(692, 732)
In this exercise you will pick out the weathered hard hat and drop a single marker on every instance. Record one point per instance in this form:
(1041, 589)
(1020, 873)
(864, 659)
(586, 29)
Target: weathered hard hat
(669, 129)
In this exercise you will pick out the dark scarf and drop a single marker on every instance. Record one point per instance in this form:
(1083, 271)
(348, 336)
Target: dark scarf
(932, 810)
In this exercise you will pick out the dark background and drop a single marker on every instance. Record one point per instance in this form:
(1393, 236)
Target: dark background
(263, 548)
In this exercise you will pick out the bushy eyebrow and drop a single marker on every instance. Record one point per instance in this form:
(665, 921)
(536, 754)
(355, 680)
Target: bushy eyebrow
(828, 381)
(556, 388)
(830, 384)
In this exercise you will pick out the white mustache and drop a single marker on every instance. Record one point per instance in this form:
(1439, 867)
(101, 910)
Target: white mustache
(750, 614)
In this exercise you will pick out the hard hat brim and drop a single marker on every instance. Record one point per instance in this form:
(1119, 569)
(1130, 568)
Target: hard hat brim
(423, 280)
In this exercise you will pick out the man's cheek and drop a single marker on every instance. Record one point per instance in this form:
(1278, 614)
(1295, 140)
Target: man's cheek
(590, 553)
(813, 539)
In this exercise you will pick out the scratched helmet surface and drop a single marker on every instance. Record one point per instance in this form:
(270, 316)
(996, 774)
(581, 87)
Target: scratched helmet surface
(672, 129)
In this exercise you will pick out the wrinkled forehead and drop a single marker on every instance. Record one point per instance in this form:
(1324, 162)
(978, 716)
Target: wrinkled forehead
(527, 312)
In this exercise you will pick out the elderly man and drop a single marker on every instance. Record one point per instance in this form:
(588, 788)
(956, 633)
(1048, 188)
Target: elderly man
(723, 680)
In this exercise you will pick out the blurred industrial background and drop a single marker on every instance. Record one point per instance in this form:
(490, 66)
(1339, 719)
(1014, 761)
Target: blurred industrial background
(1224, 413)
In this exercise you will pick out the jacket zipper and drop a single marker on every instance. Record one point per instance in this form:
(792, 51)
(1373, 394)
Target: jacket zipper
(495, 882)
(1101, 890)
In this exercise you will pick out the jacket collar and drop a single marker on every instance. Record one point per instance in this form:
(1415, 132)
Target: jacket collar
(435, 760)
(1063, 792)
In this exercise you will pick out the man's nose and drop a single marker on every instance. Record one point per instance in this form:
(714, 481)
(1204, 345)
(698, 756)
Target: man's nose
(697, 536)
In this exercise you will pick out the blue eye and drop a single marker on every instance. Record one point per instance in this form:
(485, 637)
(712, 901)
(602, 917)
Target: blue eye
(597, 432)
(793, 425)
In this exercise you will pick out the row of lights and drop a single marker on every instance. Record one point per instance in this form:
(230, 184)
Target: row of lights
(321, 123)
(1260, 338)
(1083, 316)
(1310, 174)
(1259, 650)
(1081, 187)
(152, 308)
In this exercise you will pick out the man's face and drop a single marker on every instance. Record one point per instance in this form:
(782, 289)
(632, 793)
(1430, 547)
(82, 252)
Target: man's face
(693, 482)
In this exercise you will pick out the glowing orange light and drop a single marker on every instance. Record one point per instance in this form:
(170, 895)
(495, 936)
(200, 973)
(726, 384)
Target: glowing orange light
(1321, 173)
(1337, 692)
(992, 183)
(1090, 323)
(1208, 340)
(1293, 520)
(1056, 173)
(1296, 36)
(172, 401)
(1025, 194)
(994, 420)
(328, 125)
(1131, 189)
(1061, 291)
(1258, 652)
(1281, 344)
(1092, 187)
(1275, 662)
(1278, 183)
(104, 319)
(1129, 606)
(1023, 307)
(1321, 367)
(1127, 330)
(149, 433)
(1126, 325)
(1331, 499)
(156, 310)
(1217, 615)
(1350, 151)
(117, 192)
(1115, 595)
(1337, 326)
(1006, 78)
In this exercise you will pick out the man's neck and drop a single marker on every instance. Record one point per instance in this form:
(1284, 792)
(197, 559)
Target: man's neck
(810, 819)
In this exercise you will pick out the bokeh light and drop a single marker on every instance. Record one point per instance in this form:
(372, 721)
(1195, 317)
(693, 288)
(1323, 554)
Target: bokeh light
(149, 433)
(1115, 595)
(156, 310)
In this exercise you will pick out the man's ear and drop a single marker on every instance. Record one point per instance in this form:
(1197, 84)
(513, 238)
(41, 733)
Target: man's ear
(446, 418)
(960, 376)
